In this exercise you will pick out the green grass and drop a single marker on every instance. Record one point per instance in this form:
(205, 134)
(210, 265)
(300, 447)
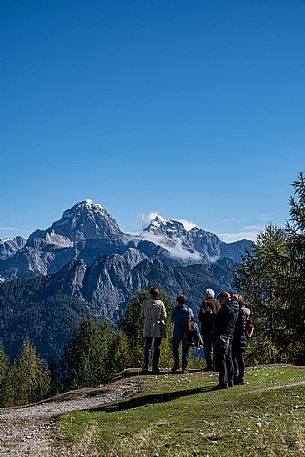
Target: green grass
(179, 415)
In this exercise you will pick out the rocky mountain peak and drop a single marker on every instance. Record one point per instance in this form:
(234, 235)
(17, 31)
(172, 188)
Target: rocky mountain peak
(84, 221)
(163, 226)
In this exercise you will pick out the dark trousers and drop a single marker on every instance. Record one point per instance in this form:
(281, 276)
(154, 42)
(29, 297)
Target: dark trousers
(224, 365)
(185, 350)
(239, 364)
(156, 354)
(208, 351)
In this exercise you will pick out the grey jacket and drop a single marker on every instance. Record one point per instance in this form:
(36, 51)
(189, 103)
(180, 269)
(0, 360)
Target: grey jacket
(154, 313)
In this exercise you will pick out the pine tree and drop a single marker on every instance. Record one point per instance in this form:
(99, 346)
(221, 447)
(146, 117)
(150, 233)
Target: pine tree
(258, 278)
(28, 379)
(272, 278)
(132, 326)
(88, 360)
(119, 353)
(3, 372)
(293, 284)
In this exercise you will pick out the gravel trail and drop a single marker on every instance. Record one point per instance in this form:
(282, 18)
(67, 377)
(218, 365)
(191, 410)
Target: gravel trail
(28, 431)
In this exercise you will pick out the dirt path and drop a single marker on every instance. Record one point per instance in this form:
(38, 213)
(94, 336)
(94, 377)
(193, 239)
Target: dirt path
(27, 431)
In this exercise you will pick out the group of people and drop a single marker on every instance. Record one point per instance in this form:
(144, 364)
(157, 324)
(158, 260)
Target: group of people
(223, 327)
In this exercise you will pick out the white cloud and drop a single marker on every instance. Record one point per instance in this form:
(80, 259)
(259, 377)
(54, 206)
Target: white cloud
(266, 217)
(174, 247)
(230, 237)
(188, 225)
(146, 218)
(8, 229)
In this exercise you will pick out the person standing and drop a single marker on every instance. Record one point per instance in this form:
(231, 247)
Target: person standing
(154, 313)
(181, 315)
(239, 344)
(209, 309)
(224, 324)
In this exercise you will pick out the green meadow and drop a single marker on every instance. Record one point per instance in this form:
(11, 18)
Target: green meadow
(180, 415)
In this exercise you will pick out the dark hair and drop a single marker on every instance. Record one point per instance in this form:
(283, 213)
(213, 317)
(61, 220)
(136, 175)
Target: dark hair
(181, 299)
(225, 295)
(154, 292)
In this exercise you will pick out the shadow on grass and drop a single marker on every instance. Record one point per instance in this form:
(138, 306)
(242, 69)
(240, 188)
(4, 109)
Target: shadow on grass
(150, 399)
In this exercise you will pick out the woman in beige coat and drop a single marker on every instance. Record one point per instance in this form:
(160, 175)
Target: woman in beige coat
(154, 313)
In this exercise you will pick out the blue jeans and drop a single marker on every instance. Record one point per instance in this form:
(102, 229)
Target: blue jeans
(185, 350)
(156, 354)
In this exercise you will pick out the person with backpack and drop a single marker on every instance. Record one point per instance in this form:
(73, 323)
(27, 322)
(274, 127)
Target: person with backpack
(154, 313)
(239, 344)
(224, 324)
(181, 315)
(209, 309)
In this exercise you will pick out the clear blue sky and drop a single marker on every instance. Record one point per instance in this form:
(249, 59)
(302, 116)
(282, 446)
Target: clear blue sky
(194, 109)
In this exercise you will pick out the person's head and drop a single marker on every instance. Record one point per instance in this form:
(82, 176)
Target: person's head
(223, 297)
(181, 299)
(209, 293)
(154, 292)
(239, 298)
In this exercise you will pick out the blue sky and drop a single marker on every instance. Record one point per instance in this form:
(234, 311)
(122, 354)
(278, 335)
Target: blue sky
(192, 109)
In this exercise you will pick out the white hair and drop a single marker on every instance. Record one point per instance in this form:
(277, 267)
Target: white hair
(209, 293)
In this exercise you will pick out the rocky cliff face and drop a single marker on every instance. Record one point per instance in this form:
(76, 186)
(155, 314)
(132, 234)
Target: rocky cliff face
(10, 246)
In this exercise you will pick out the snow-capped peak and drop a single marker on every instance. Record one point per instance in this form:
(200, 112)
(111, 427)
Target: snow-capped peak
(87, 204)
(91, 204)
(158, 220)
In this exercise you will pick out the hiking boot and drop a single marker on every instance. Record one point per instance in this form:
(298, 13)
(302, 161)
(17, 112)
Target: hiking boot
(156, 371)
(174, 369)
(239, 381)
(145, 370)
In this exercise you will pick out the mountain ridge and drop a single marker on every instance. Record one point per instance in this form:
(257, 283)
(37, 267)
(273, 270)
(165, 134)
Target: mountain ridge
(88, 230)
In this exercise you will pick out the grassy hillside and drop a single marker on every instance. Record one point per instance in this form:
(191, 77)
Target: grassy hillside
(179, 415)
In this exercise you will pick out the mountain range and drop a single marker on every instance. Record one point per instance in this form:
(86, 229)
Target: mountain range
(87, 230)
(85, 257)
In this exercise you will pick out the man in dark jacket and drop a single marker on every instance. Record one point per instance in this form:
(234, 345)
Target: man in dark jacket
(224, 324)
(209, 309)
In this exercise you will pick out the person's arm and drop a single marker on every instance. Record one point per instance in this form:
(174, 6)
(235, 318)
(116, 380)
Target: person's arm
(163, 312)
(200, 315)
